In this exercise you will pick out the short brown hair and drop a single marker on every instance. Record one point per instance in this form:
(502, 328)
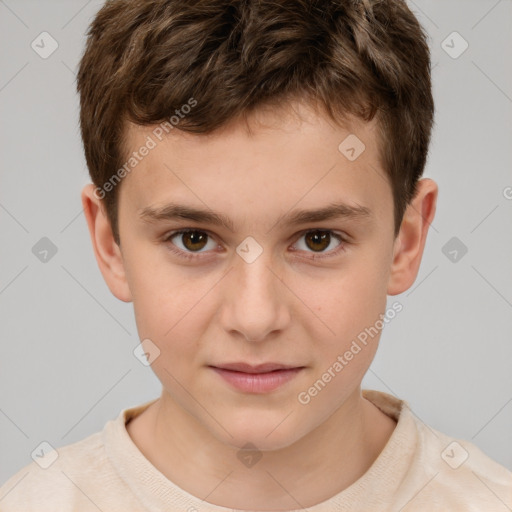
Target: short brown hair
(145, 59)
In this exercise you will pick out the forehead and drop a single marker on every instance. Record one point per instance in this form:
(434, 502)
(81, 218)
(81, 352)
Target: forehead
(278, 157)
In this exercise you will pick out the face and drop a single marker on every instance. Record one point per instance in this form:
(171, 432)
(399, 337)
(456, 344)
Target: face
(272, 284)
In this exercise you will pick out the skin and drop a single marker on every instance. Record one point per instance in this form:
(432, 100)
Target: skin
(284, 307)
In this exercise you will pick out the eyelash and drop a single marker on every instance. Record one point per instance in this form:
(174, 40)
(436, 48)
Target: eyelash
(316, 256)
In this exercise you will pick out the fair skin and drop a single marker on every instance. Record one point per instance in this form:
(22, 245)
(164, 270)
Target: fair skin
(283, 307)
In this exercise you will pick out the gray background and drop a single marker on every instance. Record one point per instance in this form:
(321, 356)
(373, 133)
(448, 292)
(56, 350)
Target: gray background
(67, 363)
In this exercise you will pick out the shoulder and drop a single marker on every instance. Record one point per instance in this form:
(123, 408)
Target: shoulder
(78, 477)
(456, 474)
(437, 471)
(50, 477)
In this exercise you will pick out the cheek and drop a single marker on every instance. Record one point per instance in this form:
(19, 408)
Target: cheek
(168, 303)
(345, 301)
(174, 309)
(346, 328)
(345, 341)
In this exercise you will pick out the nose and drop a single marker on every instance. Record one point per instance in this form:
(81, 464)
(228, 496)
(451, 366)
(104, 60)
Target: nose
(254, 304)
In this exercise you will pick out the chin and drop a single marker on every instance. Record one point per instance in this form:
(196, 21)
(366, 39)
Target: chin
(260, 441)
(265, 433)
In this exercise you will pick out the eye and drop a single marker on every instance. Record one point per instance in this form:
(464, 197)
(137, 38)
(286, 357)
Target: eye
(190, 241)
(317, 241)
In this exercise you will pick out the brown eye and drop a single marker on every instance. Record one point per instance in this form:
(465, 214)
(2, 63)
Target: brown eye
(194, 240)
(318, 240)
(190, 240)
(319, 243)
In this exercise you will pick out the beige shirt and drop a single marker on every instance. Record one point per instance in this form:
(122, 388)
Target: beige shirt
(419, 469)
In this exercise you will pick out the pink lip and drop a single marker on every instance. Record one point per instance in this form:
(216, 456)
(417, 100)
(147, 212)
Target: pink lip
(256, 379)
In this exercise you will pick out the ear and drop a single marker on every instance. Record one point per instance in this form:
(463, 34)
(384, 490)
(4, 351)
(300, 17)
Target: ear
(412, 236)
(108, 253)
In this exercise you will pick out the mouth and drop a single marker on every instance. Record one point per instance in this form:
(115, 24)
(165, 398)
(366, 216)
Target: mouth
(261, 378)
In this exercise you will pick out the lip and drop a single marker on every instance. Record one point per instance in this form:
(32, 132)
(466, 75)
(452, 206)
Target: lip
(258, 368)
(261, 378)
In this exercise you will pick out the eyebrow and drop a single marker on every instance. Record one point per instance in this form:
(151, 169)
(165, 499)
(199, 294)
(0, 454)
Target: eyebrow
(173, 211)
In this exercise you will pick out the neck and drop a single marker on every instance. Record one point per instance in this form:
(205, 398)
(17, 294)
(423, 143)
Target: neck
(318, 466)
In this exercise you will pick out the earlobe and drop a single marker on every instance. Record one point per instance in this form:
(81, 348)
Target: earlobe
(107, 252)
(410, 242)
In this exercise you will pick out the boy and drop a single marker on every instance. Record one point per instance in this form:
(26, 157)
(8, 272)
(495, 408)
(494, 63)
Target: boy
(256, 193)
